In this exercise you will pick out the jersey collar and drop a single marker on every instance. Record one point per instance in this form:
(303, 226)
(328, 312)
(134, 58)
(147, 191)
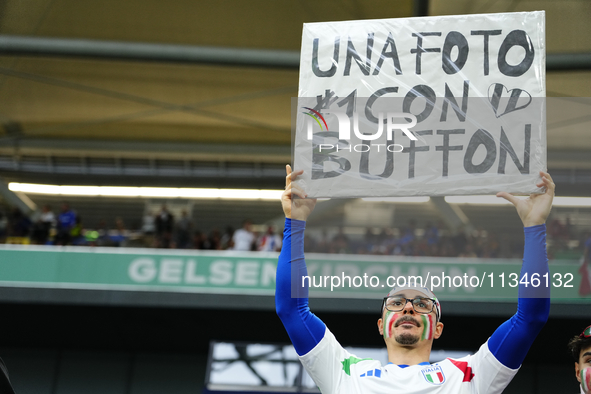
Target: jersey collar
(406, 365)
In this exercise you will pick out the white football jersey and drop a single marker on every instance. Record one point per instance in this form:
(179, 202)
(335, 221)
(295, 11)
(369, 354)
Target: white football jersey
(335, 370)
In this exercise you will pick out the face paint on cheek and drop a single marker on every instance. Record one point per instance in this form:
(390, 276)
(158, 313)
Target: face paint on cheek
(389, 320)
(586, 380)
(427, 327)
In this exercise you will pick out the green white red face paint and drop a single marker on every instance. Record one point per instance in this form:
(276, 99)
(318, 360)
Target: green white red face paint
(389, 321)
(586, 380)
(427, 327)
(427, 320)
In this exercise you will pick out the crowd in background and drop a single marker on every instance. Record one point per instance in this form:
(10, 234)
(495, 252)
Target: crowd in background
(159, 230)
(433, 240)
(163, 230)
(61, 229)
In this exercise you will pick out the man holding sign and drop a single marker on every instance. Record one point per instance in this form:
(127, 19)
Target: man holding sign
(410, 319)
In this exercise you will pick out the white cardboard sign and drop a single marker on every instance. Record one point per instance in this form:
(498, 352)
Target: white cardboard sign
(445, 105)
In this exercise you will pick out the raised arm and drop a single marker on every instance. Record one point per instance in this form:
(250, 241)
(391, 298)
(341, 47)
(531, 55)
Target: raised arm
(512, 340)
(304, 329)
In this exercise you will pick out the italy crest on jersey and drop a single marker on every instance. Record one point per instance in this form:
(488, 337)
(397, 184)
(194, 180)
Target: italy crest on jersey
(433, 374)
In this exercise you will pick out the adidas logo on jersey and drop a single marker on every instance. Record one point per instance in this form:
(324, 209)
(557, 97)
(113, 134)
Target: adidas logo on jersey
(373, 372)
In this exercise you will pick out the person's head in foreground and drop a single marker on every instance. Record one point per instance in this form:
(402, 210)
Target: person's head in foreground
(580, 349)
(410, 321)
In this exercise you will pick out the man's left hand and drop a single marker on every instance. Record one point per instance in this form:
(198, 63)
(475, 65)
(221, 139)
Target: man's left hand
(535, 209)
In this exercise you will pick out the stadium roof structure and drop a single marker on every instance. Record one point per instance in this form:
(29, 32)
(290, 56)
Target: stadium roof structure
(193, 94)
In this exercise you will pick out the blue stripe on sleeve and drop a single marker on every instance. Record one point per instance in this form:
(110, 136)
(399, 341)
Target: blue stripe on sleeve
(303, 327)
(512, 340)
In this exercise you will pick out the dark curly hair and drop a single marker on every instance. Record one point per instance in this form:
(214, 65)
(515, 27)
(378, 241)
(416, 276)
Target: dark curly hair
(576, 344)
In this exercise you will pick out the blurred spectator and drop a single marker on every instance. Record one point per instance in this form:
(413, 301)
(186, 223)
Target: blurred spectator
(568, 229)
(19, 226)
(91, 237)
(103, 234)
(310, 244)
(149, 229)
(269, 242)
(585, 269)
(460, 241)
(420, 247)
(215, 240)
(340, 237)
(119, 236)
(198, 240)
(42, 228)
(164, 226)
(184, 226)
(340, 243)
(226, 240)
(369, 236)
(557, 230)
(431, 233)
(243, 238)
(119, 225)
(370, 242)
(491, 247)
(406, 244)
(387, 242)
(3, 226)
(323, 244)
(149, 223)
(447, 247)
(76, 232)
(468, 252)
(66, 220)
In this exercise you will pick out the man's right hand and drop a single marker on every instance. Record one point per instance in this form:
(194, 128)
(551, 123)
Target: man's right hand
(293, 200)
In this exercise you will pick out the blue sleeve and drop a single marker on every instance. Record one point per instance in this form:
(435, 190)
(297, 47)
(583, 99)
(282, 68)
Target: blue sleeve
(512, 340)
(304, 329)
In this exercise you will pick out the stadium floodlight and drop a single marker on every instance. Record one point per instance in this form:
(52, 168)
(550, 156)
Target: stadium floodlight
(418, 199)
(249, 194)
(146, 192)
(477, 200)
(574, 202)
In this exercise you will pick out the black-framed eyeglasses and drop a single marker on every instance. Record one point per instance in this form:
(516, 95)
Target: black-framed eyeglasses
(586, 333)
(419, 304)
